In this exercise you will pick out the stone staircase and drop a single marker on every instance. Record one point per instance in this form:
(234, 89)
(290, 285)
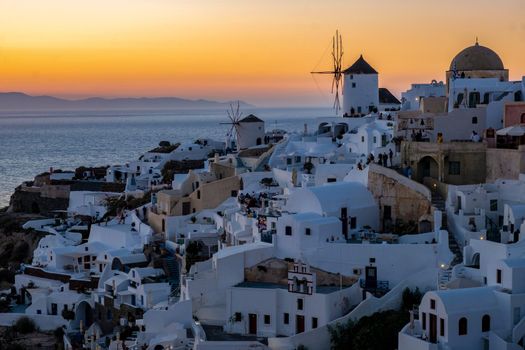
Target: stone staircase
(439, 203)
(173, 269)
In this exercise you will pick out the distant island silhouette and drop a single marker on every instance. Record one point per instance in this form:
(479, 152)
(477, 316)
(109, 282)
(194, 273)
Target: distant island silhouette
(18, 101)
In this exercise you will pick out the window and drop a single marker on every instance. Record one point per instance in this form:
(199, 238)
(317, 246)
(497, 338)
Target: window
(432, 304)
(442, 327)
(266, 319)
(372, 260)
(286, 318)
(38, 312)
(498, 276)
(351, 76)
(288, 230)
(314, 322)
(199, 194)
(485, 323)
(353, 222)
(237, 317)
(460, 99)
(359, 110)
(308, 232)
(353, 85)
(423, 320)
(462, 326)
(474, 99)
(331, 179)
(493, 205)
(362, 139)
(298, 159)
(454, 168)
(375, 139)
(474, 120)
(300, 304)
(288, 161)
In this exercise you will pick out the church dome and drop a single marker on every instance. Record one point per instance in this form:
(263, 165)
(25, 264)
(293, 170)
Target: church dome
(476, 57)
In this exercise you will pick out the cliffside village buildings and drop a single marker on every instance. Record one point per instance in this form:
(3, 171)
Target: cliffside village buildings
(317, 228)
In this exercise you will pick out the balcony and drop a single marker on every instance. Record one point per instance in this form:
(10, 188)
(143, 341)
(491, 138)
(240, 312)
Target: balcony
(414, 338)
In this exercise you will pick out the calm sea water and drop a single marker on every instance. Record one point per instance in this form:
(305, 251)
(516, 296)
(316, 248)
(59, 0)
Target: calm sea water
(32, 143)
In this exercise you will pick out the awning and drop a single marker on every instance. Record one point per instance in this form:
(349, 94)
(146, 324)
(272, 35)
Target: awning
(515, 130)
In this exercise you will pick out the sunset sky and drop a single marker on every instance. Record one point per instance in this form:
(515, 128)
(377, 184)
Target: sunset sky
(258, 51)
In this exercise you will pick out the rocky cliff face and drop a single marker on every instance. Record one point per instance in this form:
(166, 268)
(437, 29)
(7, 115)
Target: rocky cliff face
(34, 203)
(16, 244)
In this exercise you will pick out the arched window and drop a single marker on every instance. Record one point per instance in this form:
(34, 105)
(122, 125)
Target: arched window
(474, 120)
(462, 327)
(475, 260)
(485, 323)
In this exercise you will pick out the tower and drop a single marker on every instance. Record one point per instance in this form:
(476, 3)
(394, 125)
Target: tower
(360, 89)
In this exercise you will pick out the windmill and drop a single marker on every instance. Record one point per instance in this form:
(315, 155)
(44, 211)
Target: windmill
(337, 61)
(235, 115)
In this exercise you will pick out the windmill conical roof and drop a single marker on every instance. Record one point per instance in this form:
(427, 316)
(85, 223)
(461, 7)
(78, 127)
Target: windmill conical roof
(360, 67)
(251, 119)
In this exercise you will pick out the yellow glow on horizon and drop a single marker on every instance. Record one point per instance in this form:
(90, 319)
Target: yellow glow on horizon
(260, 51)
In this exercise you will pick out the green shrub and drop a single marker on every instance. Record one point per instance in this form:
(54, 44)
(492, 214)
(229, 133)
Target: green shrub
(25, 325)
(410, 299)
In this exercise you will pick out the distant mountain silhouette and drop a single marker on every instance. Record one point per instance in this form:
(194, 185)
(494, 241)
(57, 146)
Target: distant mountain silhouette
(22, 102)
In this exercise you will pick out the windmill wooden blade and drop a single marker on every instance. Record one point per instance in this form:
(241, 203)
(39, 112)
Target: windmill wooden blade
(337, 60)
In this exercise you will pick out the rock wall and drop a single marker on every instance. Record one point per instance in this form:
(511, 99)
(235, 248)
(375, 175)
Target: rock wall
(407, 203)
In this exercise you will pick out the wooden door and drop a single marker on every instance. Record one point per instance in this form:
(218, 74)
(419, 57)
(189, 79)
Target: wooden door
(433, 328)
(344, 221)
(252, 323)
(299, 324)
(371, 277)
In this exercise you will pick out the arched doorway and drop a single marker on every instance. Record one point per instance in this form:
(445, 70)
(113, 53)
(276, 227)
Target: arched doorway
(323, 128)
(84, 313)
(475, 260)
(427, 167)
(340, 129)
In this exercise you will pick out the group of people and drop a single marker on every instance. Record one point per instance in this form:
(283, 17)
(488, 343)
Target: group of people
(419, 135)
(382, 159)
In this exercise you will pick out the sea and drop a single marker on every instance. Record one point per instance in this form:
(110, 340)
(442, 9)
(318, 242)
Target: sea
(31, 143)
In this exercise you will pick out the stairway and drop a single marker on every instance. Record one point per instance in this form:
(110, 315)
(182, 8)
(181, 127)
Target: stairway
(173, 272)
(438, 202)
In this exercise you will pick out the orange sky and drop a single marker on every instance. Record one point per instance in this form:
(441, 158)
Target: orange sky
(260, 51)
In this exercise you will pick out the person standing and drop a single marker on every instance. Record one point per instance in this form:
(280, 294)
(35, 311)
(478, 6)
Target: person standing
(391, 157)
(409, 172)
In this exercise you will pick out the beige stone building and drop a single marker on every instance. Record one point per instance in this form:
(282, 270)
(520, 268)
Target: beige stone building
(206, 196)
(456, 163)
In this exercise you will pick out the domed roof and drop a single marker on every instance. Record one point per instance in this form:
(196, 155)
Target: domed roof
(476, 57)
